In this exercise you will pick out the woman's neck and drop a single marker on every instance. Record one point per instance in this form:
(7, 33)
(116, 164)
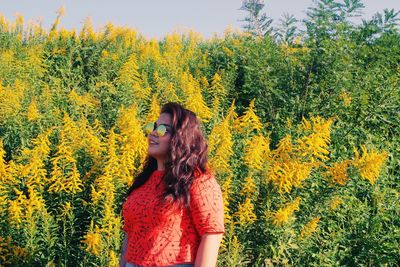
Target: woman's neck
(160, 165)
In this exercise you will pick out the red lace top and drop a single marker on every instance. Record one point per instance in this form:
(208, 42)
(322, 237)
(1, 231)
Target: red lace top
(159, 235)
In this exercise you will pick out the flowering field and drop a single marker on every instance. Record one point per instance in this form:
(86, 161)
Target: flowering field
(303, 135)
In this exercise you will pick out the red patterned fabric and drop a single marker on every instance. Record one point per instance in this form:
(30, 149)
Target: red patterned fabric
(159, 235)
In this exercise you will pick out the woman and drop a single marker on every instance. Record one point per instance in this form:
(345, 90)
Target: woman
(173, 215)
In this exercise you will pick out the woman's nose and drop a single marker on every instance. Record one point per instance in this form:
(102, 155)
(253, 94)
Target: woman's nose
(154, 134)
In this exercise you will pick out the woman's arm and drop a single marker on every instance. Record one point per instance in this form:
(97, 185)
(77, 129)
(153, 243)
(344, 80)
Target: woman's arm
(207, 252)
(122, 261)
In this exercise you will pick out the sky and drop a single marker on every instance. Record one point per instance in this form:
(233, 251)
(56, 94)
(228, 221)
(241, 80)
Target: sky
(155, 19)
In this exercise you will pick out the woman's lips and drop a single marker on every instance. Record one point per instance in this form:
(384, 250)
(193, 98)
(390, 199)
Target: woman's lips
(152, 143)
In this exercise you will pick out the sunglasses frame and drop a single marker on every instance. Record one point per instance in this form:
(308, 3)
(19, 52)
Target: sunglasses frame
(161, 129)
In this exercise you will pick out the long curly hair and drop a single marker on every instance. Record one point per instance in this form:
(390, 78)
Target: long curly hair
(187, 159)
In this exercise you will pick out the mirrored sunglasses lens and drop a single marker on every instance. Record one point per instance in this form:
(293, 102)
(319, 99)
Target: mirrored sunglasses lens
(161, 130)
(149, 127)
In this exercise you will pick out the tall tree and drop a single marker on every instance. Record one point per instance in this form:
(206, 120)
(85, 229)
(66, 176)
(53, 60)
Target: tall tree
(286, 30)
(257, 22)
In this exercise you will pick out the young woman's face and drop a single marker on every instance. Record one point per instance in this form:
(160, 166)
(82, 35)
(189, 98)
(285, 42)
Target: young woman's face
(159, 146)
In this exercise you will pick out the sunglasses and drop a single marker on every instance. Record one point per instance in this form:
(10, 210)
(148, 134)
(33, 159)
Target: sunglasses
(161, 129)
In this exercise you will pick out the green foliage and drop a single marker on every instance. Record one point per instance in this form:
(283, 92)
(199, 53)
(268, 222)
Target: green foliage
(333, 68)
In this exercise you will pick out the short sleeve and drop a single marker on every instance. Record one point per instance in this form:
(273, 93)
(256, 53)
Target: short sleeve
(206, 205)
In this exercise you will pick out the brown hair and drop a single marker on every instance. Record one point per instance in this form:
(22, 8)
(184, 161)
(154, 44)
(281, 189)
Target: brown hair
(187, 158)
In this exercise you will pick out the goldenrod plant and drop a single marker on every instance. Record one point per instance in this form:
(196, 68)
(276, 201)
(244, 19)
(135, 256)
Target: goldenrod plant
(303, 134)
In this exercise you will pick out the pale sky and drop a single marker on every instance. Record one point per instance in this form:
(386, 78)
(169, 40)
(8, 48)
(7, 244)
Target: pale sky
(157, 18)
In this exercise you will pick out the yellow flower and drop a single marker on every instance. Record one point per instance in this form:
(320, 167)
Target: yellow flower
(16, 208)
(220, 143)
(249, 187)
(315, 145)
(34, 171)
(93, 240)
(335, 202)
(94, 195)
(35, 201)
(249, 121)
(90, 138)
(227, 51)
(111, 170)
(154, 110)
(64, 175)
(369, 164)
(220, 146)
(70, 133)
(227, 197)
(5, 250)
(33, 112)
(194, 98)
(282, 215)
(7, 56)
(150, 50)
(129, 76)
(104, 54)
(216, 106)
(284, 148)
(288, 50)
(20, 252)
(110, 223)
(289, 123)
(170, 92)
(346, 98)
(3, 165)
(66, 209)
(67, 34)
(4, 23)
(338, 172)
(310, 227)
(114, 260)
(3, 198)
(86, 101)
(15, 211)
(133, 143)
(87, 31)
(19, 21)
(129, 72)
(216, 88)
(246, 213)
(204, 82)
(257, 152)
(60, 13)
(288, 173)
(11, 97)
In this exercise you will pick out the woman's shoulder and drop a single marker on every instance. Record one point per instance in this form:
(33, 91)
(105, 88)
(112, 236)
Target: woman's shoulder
(204, 179)
(203, 175)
